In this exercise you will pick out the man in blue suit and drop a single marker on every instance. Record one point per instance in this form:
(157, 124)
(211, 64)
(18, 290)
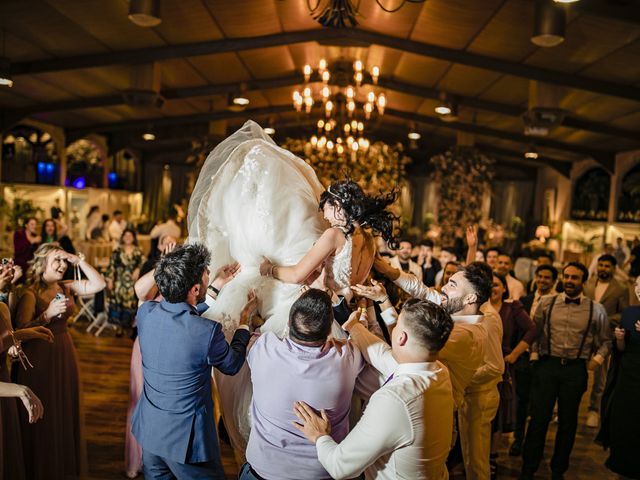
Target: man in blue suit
(173, 421)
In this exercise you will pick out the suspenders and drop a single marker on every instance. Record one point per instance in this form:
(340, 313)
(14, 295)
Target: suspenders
(547, 325)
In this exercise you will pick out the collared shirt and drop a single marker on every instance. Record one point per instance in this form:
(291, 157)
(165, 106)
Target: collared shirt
(568, 323)
(406, 429)
(463, 354)
(412, 267)
(601, 287)
(283, 372)
(492, 368)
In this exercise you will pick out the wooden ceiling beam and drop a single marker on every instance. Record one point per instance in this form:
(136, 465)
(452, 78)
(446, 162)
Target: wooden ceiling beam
(605, 157)
(329, 36)
(293, 79)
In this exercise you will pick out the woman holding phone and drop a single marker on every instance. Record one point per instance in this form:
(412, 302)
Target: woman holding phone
(53, 447)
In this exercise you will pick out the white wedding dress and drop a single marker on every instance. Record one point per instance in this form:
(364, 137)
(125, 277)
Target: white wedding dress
(255, 199)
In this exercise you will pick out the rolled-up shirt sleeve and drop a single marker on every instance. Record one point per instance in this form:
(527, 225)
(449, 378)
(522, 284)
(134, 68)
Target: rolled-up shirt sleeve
(389, 316)
(375, 351)
(384, 427)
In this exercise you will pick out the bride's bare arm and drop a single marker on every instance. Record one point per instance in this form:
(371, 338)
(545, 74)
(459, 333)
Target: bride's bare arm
(325, 246)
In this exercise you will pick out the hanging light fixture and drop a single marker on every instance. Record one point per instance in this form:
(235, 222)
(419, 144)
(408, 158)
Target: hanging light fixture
(413, 135)
(148, 137)
(145, 13)
(549, 23)
(270, 130)
(240, 100)
(5, 65)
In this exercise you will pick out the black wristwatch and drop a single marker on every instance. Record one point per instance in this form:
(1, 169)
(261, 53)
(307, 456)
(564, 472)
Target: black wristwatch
(214, 290)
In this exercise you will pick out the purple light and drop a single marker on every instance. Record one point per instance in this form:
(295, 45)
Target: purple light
(79, 183)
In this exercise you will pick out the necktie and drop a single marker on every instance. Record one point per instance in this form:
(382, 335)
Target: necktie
(568, 300)
(387, 380)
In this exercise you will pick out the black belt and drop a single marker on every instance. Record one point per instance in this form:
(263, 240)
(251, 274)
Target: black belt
(565, 361)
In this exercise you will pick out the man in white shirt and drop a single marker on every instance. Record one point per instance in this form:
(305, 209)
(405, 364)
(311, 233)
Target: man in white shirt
(117, 226)
(170, 228)
(504, 267)
(403, 261)
(406, 429)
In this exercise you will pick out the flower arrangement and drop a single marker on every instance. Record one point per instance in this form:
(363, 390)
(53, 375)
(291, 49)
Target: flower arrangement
(378, 167)
(83, 152)
(464, 174)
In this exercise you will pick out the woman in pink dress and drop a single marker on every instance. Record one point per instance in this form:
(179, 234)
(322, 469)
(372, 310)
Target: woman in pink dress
(54, 447)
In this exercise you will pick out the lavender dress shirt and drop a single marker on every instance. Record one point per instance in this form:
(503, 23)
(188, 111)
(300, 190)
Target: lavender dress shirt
(283, 372)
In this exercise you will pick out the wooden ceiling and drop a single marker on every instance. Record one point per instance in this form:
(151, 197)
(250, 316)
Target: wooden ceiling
(72, 61)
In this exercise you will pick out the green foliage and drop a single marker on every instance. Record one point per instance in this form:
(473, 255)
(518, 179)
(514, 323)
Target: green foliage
(464, 174)
(14, 215)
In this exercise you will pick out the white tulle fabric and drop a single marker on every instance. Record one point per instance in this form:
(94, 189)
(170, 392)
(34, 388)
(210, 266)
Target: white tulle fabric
(254, 199)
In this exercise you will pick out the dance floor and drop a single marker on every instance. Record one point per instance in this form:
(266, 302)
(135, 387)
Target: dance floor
(104, 364)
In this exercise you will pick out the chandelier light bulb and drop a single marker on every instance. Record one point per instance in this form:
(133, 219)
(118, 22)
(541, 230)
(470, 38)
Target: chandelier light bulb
(368, 108)
(358, 78)
(326, 76)
(347, 128)
(306, 92)
(351, 107)
(371, 97)
(308, 103)
(326, 92)
(314, 140)
(328, 126)
(360, 126)
(375, 73)
(382, 103)
(330, 145)
(322, 65)
(350, 92)
(322, 141)
(354, 146)
(340, 149)
(328, 108)
(320, 124)
(349, 140)
(307, 72)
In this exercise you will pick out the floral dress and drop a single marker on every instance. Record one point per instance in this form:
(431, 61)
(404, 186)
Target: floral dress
(122, 298)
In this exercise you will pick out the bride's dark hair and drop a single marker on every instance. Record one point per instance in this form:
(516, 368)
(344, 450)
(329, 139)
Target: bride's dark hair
(367, 210)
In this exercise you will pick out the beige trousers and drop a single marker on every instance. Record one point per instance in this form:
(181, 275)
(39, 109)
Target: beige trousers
(474, 421)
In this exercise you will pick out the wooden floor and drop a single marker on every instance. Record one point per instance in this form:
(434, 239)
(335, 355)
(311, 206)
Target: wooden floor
(105, 375)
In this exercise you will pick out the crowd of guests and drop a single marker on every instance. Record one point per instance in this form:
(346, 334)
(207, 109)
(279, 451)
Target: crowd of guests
(473, 353)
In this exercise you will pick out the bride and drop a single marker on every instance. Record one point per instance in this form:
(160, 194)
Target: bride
(255, 201)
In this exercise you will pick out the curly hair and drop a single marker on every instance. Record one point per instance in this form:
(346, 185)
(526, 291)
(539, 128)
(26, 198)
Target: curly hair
(38, 266)
(367, 210)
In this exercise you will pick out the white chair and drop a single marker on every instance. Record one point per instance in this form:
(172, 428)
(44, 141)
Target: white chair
(86, 308)
(101, 321)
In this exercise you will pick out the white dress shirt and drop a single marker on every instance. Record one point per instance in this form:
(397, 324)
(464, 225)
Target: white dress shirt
(406, 429)
(116, 228)
(490, 373)
(167, 228)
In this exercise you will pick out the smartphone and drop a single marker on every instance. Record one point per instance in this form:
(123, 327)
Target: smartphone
(60, 296)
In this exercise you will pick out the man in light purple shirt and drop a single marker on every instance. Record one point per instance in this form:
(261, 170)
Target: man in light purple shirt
(297, 367)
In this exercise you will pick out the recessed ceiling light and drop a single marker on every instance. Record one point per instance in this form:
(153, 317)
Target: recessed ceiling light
(240, 100)
(145, 13)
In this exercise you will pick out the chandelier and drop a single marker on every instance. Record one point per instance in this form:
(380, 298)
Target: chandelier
(343, 13)
(339, 90)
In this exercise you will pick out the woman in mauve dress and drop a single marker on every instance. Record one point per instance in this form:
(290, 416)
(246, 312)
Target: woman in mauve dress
(54, 447)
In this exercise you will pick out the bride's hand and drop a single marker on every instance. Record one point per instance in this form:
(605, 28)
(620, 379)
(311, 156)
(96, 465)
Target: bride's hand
(250, 309)
(265, 267)
(224, 275)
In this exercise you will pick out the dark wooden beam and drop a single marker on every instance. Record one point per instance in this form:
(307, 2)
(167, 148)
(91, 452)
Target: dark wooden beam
(293, 79)
(328, 36)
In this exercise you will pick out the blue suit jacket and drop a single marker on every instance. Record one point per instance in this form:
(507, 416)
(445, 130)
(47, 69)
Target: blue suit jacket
(174, 416)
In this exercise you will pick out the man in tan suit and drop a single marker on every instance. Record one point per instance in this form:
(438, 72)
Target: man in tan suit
(614, 296)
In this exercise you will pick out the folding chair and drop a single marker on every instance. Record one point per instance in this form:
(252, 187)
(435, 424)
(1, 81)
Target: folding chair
(86, 305)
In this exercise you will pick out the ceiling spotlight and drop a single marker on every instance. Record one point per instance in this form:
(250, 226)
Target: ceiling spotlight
(148, 137)
(145, 13)
(549, 23)
(240, 100)
(531, 153)
(414, 136)
(444, 107)
(269, 130)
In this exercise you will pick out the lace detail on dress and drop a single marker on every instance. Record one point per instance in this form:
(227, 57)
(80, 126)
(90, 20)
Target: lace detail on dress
(338, 270)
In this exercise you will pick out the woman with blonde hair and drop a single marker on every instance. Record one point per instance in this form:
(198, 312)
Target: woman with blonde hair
(54, 447)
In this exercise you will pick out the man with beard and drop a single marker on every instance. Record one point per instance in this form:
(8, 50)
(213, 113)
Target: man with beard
(473, 355)
(570, 326)
(173, 421)
(614, 297)
(403, 261)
